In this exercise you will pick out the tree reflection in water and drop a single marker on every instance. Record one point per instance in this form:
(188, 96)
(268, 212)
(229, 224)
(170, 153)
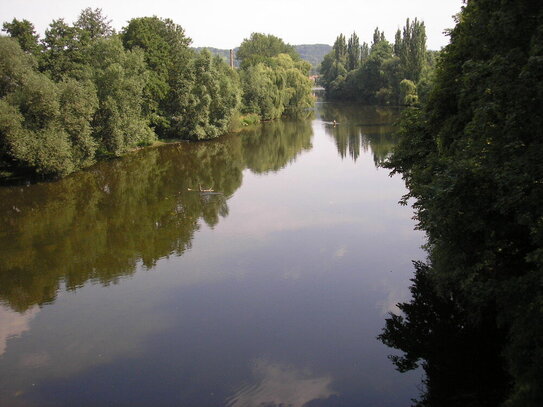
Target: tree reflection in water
(460, 356)
(99, 224)
(360, 128)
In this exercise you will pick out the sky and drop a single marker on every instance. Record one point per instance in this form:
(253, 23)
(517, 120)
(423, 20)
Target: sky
(225, 24)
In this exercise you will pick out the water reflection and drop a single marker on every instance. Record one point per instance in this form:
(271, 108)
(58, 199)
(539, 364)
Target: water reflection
(273, 145)
(97, 224)
(268, 290)
(276, 384)
(13, 324)
(462, 356)
(360, 128)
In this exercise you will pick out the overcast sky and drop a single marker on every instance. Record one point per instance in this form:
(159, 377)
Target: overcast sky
(224, 24)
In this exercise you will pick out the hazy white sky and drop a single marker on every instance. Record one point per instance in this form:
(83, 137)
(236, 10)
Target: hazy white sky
(224, 24)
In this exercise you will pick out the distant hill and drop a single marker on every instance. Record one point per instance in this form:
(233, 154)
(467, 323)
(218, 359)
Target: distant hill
(312, 53)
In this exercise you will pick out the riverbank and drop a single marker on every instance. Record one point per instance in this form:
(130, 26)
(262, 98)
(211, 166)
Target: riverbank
(28, 177)
(107, 93)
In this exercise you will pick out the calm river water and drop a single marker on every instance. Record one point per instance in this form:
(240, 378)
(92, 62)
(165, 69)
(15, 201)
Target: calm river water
(124, 285)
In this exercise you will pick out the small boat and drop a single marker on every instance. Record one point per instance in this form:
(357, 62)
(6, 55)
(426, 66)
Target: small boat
(200, 189)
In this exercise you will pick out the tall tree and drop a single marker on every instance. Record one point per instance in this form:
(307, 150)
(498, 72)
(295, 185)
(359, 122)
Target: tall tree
(24, 32)
(260, 47)
(364, 52)
(213, 98)
(92, 24)
(120, 78)
(61, 51)
(377, 37)
(66, 46)
(353, 52)
(274, 78)
(398, 43)
(412, 49)
(166, 51)
(282, 87)
(472, 160)
(340, 49)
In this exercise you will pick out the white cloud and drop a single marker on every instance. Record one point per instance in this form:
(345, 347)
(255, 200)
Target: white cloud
(395, 292)
(281, 385)
(13, 324)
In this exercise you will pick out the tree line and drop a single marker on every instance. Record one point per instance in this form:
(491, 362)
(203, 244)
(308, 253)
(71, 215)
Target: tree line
(85, 91)
(472, 159)
(382, 73)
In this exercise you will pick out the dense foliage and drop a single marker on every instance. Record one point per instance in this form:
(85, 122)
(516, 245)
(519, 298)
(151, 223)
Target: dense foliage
(312, 53)
(85, 91)
(274, 78)
(383, 73)
(260, 48)
(472, 159)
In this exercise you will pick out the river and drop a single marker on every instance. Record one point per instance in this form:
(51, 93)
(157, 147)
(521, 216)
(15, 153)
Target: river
(125, 285)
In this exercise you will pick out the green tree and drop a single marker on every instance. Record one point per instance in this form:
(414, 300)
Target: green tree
(378, 37)
(92, 24)
(472, 161)
(120, 77)
(375, 74)
(364, 52)
(45, 126)
(24, 32)
(14, 65)
(353, 52)
(398, 43)
(166, 51)
(62, 55)
(67, 46)
(187, 95)
(259, 48)
(297, 83)
(408, 93)
(372, 78)
(31, 136)
(412, 49)
(213, 99)
(78, 102)
(335, 65)
(273, 82)
(340, 49)
(262, 92)
(328, 70)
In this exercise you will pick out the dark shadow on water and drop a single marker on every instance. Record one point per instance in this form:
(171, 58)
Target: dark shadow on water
(460, 356)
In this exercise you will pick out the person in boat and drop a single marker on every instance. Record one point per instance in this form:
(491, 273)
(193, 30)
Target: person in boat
(200, 189)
